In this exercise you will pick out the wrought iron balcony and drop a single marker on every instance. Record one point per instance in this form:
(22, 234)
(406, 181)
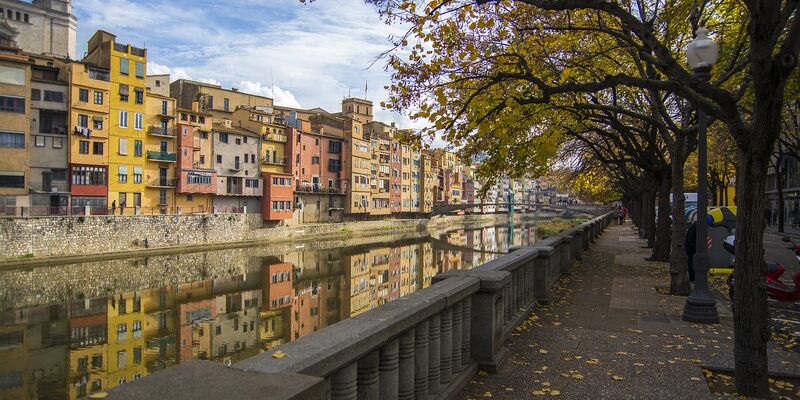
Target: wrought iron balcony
(163, 183)
(159, 131)
(167, 156)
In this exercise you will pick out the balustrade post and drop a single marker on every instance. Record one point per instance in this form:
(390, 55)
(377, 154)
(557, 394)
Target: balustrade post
(434, 333)
(388, 370)
(368, 387)
(446, 348)
(587, 235)
(406, 375)
(466, 329)
(456, 343)
(344, 383)
(421, 361)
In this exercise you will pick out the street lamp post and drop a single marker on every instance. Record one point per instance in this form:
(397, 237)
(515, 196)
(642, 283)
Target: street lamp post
(700, 306)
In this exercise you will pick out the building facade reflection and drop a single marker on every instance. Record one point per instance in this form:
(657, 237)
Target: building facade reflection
(87, 346)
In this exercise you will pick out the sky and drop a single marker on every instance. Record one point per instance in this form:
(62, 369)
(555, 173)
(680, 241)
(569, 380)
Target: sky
(301, 55)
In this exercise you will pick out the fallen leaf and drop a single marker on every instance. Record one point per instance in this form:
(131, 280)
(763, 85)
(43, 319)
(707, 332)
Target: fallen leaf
(543, 351)
(555, 393)
(577, 376)
(592, 361)
(617, 378)
(487, 394)
(278, 354)
(538, 393)
(483, 373)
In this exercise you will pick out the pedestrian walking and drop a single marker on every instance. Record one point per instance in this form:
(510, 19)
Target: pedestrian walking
(774, 217)
(122, 208)
(113, 207)
(768, 215)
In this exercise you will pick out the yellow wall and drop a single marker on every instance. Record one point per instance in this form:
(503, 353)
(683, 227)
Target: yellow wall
(15, 159)
(131, 369)
(200, 201)
(79, 79)
(130, 133)
(153, 185)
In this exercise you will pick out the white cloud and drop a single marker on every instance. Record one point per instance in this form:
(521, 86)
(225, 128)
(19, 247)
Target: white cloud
(313, 54)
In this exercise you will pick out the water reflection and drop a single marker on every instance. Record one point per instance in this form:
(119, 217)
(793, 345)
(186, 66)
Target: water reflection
(79, 347)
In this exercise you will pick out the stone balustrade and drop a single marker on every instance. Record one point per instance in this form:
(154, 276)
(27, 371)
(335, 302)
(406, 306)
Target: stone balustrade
(426, 345)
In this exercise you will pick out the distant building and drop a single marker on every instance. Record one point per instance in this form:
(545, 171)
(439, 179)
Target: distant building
(45, 27)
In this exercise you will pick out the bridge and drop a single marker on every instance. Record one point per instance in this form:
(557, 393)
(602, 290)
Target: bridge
(444, 209)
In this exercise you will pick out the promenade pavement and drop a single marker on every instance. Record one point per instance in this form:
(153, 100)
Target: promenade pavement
(613, 333)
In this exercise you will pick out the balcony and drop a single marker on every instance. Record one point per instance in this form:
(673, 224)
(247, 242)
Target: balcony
(275, 137)
(160, 132)
(281, 161)
(163, 156)
(306, 187)
(162, 183)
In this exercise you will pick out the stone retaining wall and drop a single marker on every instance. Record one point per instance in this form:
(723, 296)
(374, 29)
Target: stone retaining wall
(64, 236)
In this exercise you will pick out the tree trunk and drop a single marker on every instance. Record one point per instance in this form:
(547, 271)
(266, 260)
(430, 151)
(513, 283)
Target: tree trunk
(779, 186)
(750, 301)
(661, 247)
(678, 262)
(650, 217)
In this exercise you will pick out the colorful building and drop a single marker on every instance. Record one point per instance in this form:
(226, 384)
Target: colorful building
(160, 168)
(89, 126)
(15, 114)
(48, 185)
(197, 179)
(236, 161)
(127, 66)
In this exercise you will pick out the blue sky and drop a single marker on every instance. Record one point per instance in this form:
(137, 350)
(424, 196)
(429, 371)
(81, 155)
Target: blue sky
(313, 54)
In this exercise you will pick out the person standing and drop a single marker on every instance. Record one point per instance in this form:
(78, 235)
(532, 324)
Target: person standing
(122, 208)
(113, 207)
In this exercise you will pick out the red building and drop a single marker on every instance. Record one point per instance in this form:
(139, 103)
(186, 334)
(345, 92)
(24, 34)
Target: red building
(278, 196)
(197, 180)
(396, 181)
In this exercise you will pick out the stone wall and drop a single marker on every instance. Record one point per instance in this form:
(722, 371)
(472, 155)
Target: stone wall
(68, 236)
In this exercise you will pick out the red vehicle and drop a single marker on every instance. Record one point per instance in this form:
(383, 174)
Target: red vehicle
(776, 289)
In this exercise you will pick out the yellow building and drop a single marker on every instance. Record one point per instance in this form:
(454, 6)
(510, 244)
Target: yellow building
(15, 112)
(273, 139)
(127, 66)
(89, 99)
(126, 342)
(160, 165)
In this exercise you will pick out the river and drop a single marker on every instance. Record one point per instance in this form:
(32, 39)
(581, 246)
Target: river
(73, 330)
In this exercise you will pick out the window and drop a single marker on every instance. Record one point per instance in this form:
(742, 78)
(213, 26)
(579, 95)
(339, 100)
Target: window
(137, 175)
(219, 159)
(225, 104)
(12, 75)
(58, 143)
(122, 174)
(334, 165)
(98, 97)
(238, 141)
(162, 197)
(223, 137)
(202, 159)
(12, 140)
(97, 122)
(124, 66)
(198, 179)
(83, 95)
(246, 158)
(137, 199)
(139, 96)
(139, 69)
(334, 147)
(251, 183)
(54, 97)
(39, 141)
(36, 94)
(122, 360)
(137, 355)
(12, 104)
(138, 120)
(315, 160)
(184, 117)
(202, 119)
(84, 146)
(123, 92)
(97, 148)
(123, 146)
(164, 107)
(210, 102)
(12, 180)
(83, 120)
(137, 148)
(123, 119)
(137, 331)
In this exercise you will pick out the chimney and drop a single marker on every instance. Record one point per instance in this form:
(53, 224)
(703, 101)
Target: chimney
(235, 89)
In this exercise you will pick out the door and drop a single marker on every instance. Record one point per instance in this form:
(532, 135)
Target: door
(162, 176)
(47, 181)
(164, 146)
